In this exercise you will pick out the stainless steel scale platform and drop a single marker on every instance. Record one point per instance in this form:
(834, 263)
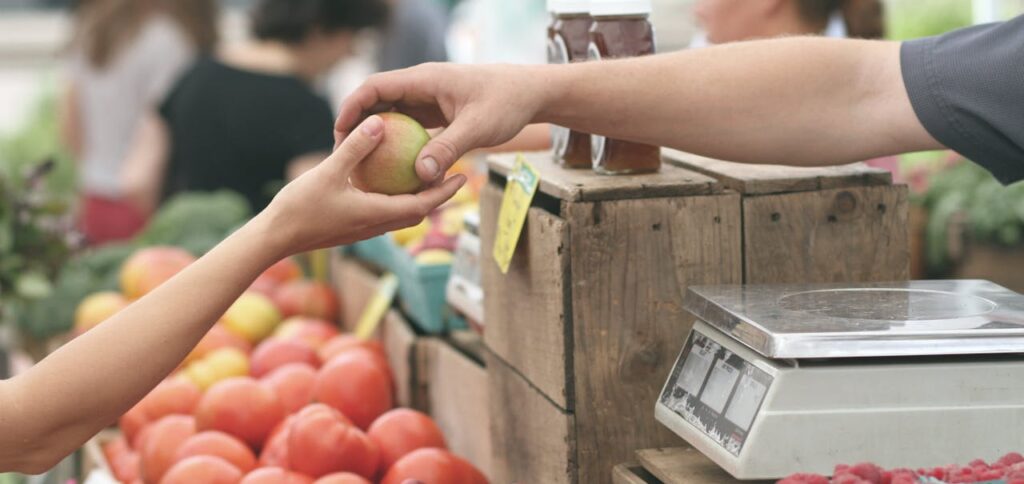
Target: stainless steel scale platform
(779, 379)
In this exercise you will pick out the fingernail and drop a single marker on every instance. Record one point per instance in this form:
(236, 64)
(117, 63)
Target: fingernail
(373, 126)
(430, 167)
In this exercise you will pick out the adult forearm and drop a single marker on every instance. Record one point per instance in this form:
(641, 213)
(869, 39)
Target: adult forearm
(132, 351)
(804, 101)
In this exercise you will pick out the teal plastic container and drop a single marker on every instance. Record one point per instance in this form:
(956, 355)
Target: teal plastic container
(421, 287)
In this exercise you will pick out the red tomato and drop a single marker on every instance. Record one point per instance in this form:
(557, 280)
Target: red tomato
(293, 384)
(321, 441)
(241, 407)
(433, 466)
(342, 478)
(345, 342)
(314, 331)
(219, 336)
(275, 353)
(124, 462)
(132, 423)
(275, 452)
(275, 475)
(355, 384)
(401, 431)
(219, 444)
(307, 298)
(161, 444)
(173, 396)
(202, 468)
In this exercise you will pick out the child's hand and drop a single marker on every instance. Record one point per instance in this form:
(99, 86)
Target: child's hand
(322, 209)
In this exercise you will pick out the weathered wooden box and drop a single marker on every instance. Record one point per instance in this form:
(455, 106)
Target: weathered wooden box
(832, 224)
(583, 329)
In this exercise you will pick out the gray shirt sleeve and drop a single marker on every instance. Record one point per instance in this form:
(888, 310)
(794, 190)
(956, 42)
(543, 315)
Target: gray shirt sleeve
(967, 88)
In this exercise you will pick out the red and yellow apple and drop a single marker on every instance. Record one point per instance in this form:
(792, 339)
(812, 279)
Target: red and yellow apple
(148, 268)
(391, 167)
(97, 308)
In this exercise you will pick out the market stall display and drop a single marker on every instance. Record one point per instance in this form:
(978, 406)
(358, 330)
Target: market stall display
(604, 262)
(242, 404)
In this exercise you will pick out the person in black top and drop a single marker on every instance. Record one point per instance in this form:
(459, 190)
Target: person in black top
(247, 117)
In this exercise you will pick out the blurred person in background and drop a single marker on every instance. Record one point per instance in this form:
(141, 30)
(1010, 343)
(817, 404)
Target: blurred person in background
(415, 34)
(248, 117)
(737, 20)
(124, 57)
(726, 21)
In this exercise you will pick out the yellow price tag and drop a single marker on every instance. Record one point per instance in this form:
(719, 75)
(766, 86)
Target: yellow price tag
(519, 191)
(378, 305)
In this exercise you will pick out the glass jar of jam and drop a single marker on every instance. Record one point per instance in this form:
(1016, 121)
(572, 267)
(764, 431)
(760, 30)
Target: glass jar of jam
(621, 28)
(568, 38)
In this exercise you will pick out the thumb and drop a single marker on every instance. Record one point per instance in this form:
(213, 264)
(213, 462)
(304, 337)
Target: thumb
(446, 148)
(359, 143)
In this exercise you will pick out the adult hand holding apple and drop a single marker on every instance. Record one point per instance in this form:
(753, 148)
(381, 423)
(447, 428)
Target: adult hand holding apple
(478, 106)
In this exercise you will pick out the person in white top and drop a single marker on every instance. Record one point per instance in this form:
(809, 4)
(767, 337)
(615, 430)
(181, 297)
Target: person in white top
(124, 57)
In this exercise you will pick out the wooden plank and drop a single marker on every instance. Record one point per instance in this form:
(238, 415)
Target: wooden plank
(1001, 265)
(842, 235)
(469, 342)
(586, 185)
(457, 393)
(632, 474)
(684, 465)
(526, 310)
(759, 179)
(355, 284)
(533, 439)
(400, 342)
(631, 263)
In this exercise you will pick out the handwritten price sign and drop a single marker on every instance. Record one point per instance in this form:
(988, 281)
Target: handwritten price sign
(519, 191)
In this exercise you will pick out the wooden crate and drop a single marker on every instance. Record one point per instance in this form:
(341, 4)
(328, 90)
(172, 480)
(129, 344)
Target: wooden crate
(802, 225)
(632, 473)
(406, 352)
(684, 465)
(355, 283)
(456, 397)
(584, 328)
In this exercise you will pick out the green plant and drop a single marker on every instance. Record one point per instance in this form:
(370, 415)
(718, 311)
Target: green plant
(993, 213)
(35, 237)
(193, 221)
(911, 19)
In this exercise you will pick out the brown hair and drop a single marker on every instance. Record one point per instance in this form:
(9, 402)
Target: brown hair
(864, 19)
(103, 27)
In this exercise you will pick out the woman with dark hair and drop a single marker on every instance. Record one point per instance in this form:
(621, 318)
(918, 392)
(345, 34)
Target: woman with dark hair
(125, 56)
(245, 118)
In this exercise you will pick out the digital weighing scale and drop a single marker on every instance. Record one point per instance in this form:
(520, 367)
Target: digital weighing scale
(779, 379)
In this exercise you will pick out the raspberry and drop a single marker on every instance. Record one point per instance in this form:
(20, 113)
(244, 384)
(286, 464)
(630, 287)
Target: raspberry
(805, 479)
(867, 471)
(1011, 459)
(840, 468)
(978, 463)
(904, 479)
(990, 475)
(848, 478)
(1015, 481)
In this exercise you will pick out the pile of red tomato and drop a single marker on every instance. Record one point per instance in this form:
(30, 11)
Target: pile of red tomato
(307, 405)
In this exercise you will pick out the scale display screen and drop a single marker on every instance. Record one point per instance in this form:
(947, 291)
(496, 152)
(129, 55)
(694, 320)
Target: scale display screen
(716, 391)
